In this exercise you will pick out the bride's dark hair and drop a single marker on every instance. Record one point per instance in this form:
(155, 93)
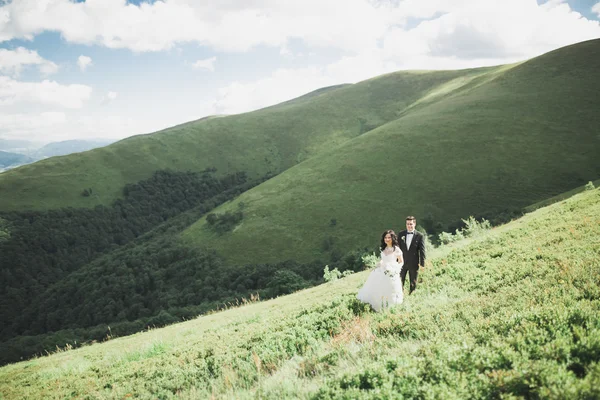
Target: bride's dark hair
(394, 239)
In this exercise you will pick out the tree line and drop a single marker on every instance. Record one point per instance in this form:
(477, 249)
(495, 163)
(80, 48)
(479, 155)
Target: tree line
(40, 248)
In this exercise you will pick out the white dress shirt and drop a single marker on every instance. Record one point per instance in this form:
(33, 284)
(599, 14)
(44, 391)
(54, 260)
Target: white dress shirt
(409, 239)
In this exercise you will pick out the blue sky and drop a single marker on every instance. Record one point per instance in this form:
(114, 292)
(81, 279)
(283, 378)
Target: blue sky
(111, 68)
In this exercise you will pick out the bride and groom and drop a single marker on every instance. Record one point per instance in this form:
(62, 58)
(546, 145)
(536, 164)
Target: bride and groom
(400, 255)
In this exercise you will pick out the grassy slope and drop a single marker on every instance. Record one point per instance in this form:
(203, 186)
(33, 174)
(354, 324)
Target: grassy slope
(512, 313)
(265, 141)
(505, 139)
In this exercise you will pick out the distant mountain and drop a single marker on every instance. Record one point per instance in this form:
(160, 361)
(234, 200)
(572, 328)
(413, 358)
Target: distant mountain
(69, 147)
(24, 147)
(9, 144)
(11, 160)
(26, 152)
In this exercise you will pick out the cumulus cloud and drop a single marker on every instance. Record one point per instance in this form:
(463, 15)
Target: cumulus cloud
(464, 29)
(227, 25)
(12, 62)
(208, 64)
(485, 33)
(45, 92)
(596, 9)
(84, 62)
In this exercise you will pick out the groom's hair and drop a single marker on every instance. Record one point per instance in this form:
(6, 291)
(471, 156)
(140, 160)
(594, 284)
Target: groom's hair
(411, 218)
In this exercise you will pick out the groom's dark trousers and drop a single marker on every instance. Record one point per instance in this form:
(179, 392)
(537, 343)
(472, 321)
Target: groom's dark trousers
(414, 256)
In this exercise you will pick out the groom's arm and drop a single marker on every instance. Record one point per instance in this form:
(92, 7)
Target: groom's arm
(421, 252)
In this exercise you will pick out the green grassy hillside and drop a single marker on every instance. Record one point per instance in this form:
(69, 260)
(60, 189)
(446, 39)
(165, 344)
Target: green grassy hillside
(258, 143)
(514, 313)
(478, 145)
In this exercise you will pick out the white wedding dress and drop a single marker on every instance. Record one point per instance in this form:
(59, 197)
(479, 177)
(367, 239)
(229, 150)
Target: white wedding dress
(383, 287)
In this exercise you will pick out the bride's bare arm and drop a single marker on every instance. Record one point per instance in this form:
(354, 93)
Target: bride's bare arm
(399, 257)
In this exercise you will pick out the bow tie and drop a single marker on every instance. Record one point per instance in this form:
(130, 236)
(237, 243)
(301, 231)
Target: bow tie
(410, 233)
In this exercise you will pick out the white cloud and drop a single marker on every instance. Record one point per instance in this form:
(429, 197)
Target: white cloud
(45, 92)
(471, 28)
(596, 9)
(13, 61)
(488, 33)
(84, 62)
(208, 64)
(228, 25)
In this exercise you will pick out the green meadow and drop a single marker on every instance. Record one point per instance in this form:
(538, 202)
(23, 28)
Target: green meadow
(513, 313)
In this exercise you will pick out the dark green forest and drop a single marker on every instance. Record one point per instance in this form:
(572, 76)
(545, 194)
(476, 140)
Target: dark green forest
(69, 274)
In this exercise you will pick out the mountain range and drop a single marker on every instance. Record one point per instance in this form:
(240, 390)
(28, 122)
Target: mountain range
(8, 160)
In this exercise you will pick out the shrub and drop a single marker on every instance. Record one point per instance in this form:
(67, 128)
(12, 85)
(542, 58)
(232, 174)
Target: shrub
(446, 237)
(334, 274)
(473, 228)
(370, 260)
(590, 186)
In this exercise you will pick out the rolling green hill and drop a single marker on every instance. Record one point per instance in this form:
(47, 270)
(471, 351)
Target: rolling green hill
(513, 313)
(483, 144)
(267, 141)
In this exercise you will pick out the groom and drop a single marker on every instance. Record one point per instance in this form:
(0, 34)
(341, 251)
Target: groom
(412, 245)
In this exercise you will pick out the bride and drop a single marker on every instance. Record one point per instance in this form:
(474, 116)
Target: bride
(383, 287)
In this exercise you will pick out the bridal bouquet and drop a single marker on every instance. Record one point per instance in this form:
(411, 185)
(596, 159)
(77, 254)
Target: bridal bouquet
(392, 272)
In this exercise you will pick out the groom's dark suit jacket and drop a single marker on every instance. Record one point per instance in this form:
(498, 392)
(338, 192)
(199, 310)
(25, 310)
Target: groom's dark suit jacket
(415, 255)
